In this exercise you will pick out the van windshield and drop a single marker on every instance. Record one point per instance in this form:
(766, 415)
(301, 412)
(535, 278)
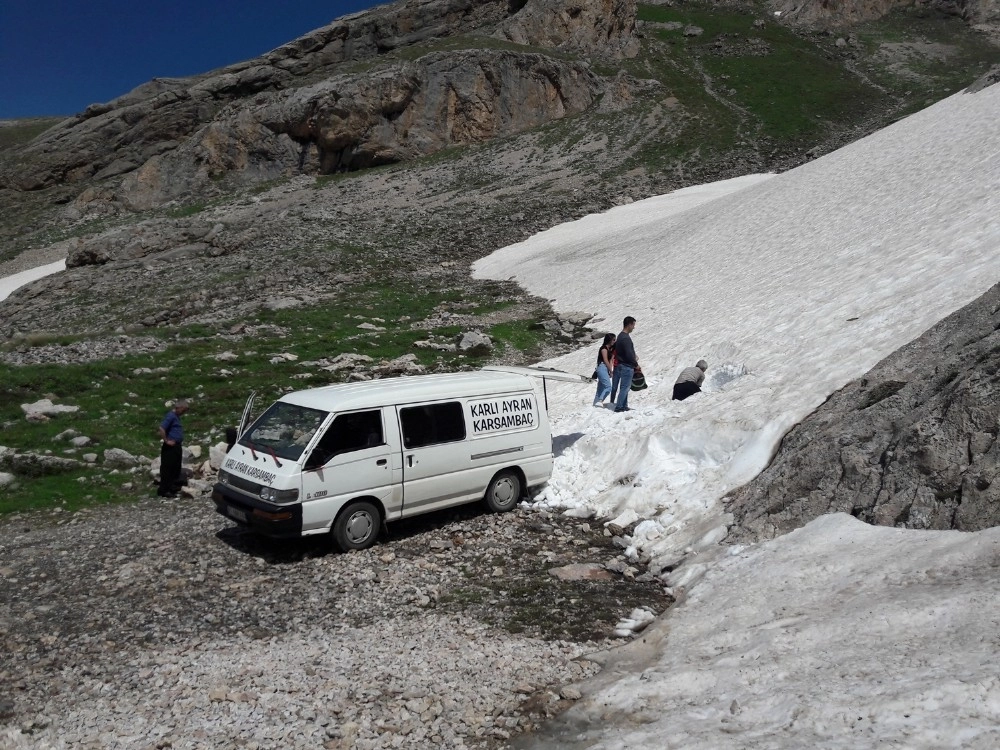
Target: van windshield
(285, 429)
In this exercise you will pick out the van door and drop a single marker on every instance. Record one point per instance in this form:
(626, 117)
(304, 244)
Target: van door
(436, 470)
(353, 458)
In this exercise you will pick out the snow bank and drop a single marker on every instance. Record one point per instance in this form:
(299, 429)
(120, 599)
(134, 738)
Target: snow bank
(789, 285)
(8, 284)
(837, 635)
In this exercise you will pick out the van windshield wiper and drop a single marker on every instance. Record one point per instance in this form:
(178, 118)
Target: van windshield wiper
(252, 452)
(275, 457)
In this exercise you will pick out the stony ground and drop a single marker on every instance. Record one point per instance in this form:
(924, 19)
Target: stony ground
(161, 625)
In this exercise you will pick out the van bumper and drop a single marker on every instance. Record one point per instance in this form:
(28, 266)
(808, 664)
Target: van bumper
(278, 521)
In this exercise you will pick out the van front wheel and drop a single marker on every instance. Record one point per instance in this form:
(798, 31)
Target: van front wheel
(504, 491)
(357, 526)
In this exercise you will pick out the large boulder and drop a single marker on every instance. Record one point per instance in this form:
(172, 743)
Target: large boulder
(912, 444)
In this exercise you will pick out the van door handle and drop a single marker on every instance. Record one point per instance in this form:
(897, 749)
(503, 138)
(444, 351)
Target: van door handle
(409, 460)
(382, 462)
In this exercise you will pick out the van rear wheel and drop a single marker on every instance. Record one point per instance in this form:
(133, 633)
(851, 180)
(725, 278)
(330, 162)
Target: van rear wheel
(504, 491)
(357, 526)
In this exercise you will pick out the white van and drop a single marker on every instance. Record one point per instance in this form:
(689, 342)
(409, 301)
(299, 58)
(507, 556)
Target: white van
(349, 457)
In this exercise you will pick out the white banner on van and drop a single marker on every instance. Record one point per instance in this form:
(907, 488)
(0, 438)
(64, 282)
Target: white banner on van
(504, 414)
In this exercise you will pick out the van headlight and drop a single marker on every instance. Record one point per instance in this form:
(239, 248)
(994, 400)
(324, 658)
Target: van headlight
(271, 495)
(225, 477)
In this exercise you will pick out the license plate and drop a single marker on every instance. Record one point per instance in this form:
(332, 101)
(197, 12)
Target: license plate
(236, 513)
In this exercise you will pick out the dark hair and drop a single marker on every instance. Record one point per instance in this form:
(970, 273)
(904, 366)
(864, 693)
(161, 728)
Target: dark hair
(608, 338)
(629, 320)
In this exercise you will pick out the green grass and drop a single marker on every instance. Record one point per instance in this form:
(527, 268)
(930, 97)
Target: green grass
(787, 93)
(25, 131)
(968, 55)
(181, 212)
(122, 401)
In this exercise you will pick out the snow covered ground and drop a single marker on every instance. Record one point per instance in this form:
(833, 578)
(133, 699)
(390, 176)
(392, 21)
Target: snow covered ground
(16, 280)
(838, 635)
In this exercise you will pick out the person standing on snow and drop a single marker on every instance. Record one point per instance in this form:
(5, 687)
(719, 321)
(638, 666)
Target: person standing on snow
(627, 365)
(604, 369)
(690, 380)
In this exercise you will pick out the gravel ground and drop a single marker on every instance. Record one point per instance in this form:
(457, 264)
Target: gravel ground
(160, 625)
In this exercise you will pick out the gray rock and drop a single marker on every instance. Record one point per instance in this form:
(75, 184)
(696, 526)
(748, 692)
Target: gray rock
(475, 342)
(34, 464)
(912, 444)
(581, 572)
(404, 365)
(592, 26)
(116, 458)
(45, 408)
(345, 361)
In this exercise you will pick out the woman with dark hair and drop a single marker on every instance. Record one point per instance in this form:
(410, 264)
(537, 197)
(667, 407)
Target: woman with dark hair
(604, 369)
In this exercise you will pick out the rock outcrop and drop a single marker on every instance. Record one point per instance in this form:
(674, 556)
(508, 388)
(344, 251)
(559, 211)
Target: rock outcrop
(604, 27)
(357, 121)
(912, 444)
(300, 108)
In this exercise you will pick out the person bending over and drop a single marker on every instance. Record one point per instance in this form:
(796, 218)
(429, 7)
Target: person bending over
(690, 380)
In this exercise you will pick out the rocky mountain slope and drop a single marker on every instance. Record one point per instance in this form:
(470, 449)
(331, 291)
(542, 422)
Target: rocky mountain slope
(912, 444)
(429, 132)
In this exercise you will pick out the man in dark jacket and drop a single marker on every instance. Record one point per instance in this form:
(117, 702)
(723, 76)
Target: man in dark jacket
(172, 435)
(627, 365)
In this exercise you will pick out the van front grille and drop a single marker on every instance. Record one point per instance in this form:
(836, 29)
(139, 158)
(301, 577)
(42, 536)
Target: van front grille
(239, 483)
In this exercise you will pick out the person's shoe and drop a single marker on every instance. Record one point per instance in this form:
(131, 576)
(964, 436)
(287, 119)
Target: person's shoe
(621, 408)
(166, 494)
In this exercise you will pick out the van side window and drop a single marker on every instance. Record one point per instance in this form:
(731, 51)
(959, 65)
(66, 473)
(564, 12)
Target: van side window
(431, 424)
(349, 432)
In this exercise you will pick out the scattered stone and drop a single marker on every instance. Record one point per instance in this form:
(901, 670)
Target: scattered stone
(116, 458)
(282, 303)
(581, 572)
(345, 361)
(153, 606)
(475, 343)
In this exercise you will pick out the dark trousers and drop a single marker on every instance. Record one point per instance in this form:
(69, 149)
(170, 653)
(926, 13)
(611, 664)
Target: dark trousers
(683, 390)
(170, 468)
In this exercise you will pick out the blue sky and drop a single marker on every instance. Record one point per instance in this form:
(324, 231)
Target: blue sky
(58, 57)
